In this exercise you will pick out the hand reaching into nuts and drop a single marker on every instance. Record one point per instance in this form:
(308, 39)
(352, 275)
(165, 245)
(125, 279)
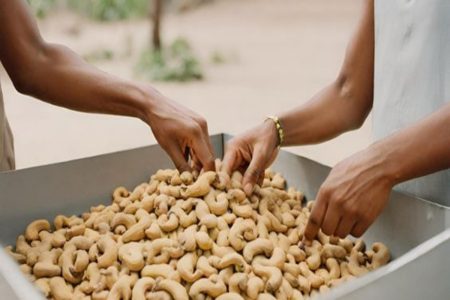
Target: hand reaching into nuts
(351, 198)
(181, 132)
(252, 153)
(159, 242)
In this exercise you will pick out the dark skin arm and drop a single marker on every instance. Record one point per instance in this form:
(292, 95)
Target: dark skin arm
(55, 74)
(341, 106)
(358, 188)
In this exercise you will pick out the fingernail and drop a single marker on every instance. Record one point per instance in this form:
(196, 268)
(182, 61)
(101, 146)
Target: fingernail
(248, 189)
(306, 242)
(301, 245)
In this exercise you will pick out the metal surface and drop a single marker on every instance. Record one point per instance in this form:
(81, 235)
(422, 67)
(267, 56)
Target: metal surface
(73, 187)
(13, 285)
(423, 273)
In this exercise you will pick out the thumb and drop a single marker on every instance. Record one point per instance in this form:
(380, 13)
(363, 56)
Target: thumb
(254, 170)
(230, 161)
(203, 153)
(178, 157)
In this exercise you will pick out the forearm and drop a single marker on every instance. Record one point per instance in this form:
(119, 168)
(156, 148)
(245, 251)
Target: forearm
(418, 150)
(59, 76)
(345, 104)
(357, 188)
(330, 113)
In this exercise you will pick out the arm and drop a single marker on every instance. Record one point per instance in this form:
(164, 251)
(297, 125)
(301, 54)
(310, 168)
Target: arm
(56, 75)
(344, 104)
(418, 150)
(357, 189)
(340, 107)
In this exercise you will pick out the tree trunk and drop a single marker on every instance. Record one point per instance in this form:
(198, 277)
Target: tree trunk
(156, 26)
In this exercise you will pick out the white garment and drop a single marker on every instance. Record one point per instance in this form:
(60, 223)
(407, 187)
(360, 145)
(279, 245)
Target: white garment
(412, 75)
(6, 140)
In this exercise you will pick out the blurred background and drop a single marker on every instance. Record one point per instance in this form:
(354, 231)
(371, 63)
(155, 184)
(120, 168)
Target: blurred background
(232, 61)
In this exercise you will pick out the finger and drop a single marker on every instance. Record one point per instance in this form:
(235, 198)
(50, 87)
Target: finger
(195, 163)
(344, 227)
(208, 142)
(177, 156)
(254, 170)
(331, 219)
(230, 161)
(204, 126)
(260, 179)
(359, 229)
(218, 164)
(273, 157)
(203, 154)
(316, 218)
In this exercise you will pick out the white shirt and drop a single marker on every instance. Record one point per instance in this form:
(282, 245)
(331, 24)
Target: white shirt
(412, 75)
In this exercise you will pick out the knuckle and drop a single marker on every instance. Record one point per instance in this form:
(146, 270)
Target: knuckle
(339, 200)
(202, 123)
(351, 211)
(231, 145)
(195, 130)
(326, 191)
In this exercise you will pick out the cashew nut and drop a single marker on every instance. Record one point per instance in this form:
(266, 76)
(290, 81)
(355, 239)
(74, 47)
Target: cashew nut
(33, 229)
(131, 255)
(175, 289)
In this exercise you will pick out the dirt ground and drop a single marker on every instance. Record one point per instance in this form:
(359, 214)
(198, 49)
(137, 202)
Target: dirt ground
(279, 53)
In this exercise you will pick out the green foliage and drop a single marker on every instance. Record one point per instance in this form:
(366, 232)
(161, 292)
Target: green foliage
(217, 58)
(175, 63)
(110, 10)
(41, 7)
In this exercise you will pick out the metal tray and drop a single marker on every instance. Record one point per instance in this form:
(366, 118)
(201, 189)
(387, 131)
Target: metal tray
(73, 187)
(422, 273)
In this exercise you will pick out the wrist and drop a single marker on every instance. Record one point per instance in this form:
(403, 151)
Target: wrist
(279, 129)
(150, 101)
(270, 133)
(387, 162)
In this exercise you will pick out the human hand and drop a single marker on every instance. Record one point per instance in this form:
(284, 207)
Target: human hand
(352, 197)
(181, 132)
(252, 152)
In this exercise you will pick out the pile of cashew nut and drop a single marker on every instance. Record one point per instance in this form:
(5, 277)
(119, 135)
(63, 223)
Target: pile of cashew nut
(189, 236)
